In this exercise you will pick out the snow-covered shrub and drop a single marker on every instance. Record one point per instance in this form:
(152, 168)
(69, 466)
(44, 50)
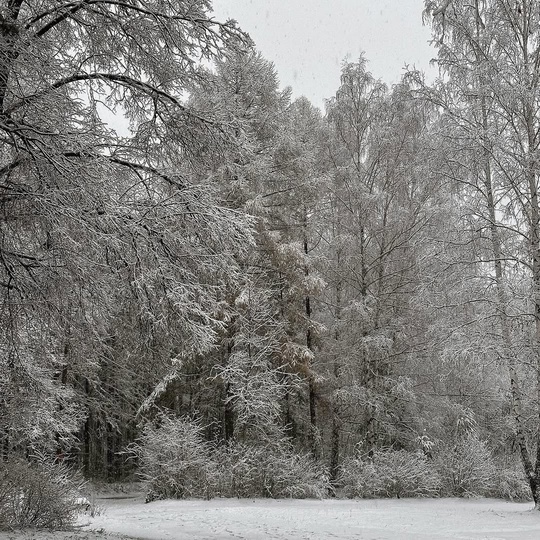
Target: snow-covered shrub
(466, 468)
(270, 471)
(510, 483)
(175, 460)
(39, 494)
(295, 475)
(390, 473)
(239, 474)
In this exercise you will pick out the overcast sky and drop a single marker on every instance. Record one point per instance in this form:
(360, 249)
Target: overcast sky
(308, 39)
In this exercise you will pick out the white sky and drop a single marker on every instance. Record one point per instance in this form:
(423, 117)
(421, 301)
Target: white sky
(308, 39)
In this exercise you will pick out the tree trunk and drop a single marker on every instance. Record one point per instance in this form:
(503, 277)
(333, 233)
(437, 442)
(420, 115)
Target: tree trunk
(534, 478)
(336, 418)
(502, 303)
(228, 409)
(313, 432)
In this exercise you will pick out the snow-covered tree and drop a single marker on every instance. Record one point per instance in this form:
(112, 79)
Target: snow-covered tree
(97, 228)
(489, 52)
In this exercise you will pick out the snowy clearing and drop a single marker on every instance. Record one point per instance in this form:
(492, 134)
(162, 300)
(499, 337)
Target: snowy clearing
(335, 519)
(223, 519)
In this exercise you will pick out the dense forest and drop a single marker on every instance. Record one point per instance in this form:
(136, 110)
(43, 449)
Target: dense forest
(246, 296)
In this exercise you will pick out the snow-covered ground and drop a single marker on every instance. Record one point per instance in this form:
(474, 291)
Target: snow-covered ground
(332, 519)
(223, 519)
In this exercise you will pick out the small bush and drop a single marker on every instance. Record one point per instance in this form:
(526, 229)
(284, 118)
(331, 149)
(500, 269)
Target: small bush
(466, 468)
(277, 472)
(175, 460)
(510, 483)
(38, 494)
(296, 476)
(390, 473)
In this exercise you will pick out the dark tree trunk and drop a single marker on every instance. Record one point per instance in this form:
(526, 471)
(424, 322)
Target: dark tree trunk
(228, 416)
(309, 344)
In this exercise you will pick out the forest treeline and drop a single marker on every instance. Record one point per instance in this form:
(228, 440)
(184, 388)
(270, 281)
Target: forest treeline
(246, 296)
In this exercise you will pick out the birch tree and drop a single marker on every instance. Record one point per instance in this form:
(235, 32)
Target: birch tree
(489, 50)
